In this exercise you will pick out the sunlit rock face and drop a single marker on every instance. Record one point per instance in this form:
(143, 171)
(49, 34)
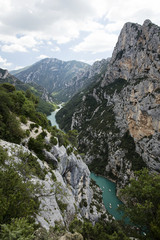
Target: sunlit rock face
(119, 119)
(65, 192)
(136, 54)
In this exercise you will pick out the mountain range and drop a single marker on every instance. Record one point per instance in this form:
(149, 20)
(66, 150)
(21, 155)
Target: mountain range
(61, 79)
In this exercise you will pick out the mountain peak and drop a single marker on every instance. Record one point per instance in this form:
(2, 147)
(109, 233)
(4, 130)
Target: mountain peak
(136, 54)
(147, 22)
(3, 73)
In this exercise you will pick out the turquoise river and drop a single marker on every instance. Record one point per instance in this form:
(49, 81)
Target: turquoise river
(110, 200)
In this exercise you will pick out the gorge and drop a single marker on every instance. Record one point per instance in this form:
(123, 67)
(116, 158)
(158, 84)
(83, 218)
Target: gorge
(110, 126)
(118, 118)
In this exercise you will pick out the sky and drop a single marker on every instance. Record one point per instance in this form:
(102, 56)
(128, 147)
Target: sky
(82, 30)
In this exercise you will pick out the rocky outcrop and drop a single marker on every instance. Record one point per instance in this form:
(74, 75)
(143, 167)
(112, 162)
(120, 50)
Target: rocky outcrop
(118, 119)
(64, 192)
(70, 236)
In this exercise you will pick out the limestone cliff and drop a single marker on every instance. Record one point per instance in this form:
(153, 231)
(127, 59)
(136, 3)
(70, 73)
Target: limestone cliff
(118, 119)
(64, 190)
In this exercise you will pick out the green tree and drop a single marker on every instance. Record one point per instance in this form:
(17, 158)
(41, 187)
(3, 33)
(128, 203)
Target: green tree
(142, 206)
(3, 155)
(72, 137)
(17, 198)
(18, 229)
(13, 133)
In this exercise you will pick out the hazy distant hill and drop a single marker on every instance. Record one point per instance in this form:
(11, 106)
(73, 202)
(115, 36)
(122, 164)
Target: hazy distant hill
(57, 76)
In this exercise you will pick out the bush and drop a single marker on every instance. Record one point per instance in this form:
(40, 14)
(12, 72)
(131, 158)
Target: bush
(3, 155)
(23, 119)
(37, 146)
(30, 165)
(17, 198)
(19, 229)
(69, 150)
(62, 206)
(53, 140)
(27, 132)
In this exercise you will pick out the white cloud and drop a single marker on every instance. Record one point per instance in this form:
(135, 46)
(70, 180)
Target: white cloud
(18, 67)
(35, 50)
(42, 57)
(32, 24)
(17, 44)
(99, 41)
(55, 49)
(90, 62)
(13, 48)
(4, 63)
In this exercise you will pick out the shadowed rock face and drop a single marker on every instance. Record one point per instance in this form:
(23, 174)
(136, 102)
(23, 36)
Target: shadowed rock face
(119, 118)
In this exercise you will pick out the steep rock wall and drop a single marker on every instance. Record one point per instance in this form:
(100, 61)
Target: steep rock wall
(118, 119)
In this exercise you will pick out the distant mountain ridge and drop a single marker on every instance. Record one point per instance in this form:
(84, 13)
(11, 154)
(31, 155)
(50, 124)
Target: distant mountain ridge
(54, 75)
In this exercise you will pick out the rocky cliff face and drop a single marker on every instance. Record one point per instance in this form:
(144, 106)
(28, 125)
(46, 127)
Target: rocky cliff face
(118, 119)
(64, 192)
(136, 54)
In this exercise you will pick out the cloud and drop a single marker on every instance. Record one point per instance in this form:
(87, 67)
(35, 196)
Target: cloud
(18, 67)
(4, 63)
(13, 48)
(90, 62)
(42, 57)
(29, 25)
(58, 20)
(55, 49)
(18, 44)
(99, 41)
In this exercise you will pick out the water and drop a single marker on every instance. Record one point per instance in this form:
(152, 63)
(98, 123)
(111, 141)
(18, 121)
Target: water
(52, 117)
(110, 199)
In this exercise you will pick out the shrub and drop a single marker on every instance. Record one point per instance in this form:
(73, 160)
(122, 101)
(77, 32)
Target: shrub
(69, 150)
(30, 165)
(23, 119)
(3, 155)
(27, 132)
(19, 229)
(62, 206)
(53, 140)
(17, 198)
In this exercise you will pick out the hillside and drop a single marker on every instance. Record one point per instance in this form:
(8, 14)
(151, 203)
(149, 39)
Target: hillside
(45, 102)
(38, 157)
(118, 118)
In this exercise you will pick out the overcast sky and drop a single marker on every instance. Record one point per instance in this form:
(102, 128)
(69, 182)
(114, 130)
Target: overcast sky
(85, 30)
